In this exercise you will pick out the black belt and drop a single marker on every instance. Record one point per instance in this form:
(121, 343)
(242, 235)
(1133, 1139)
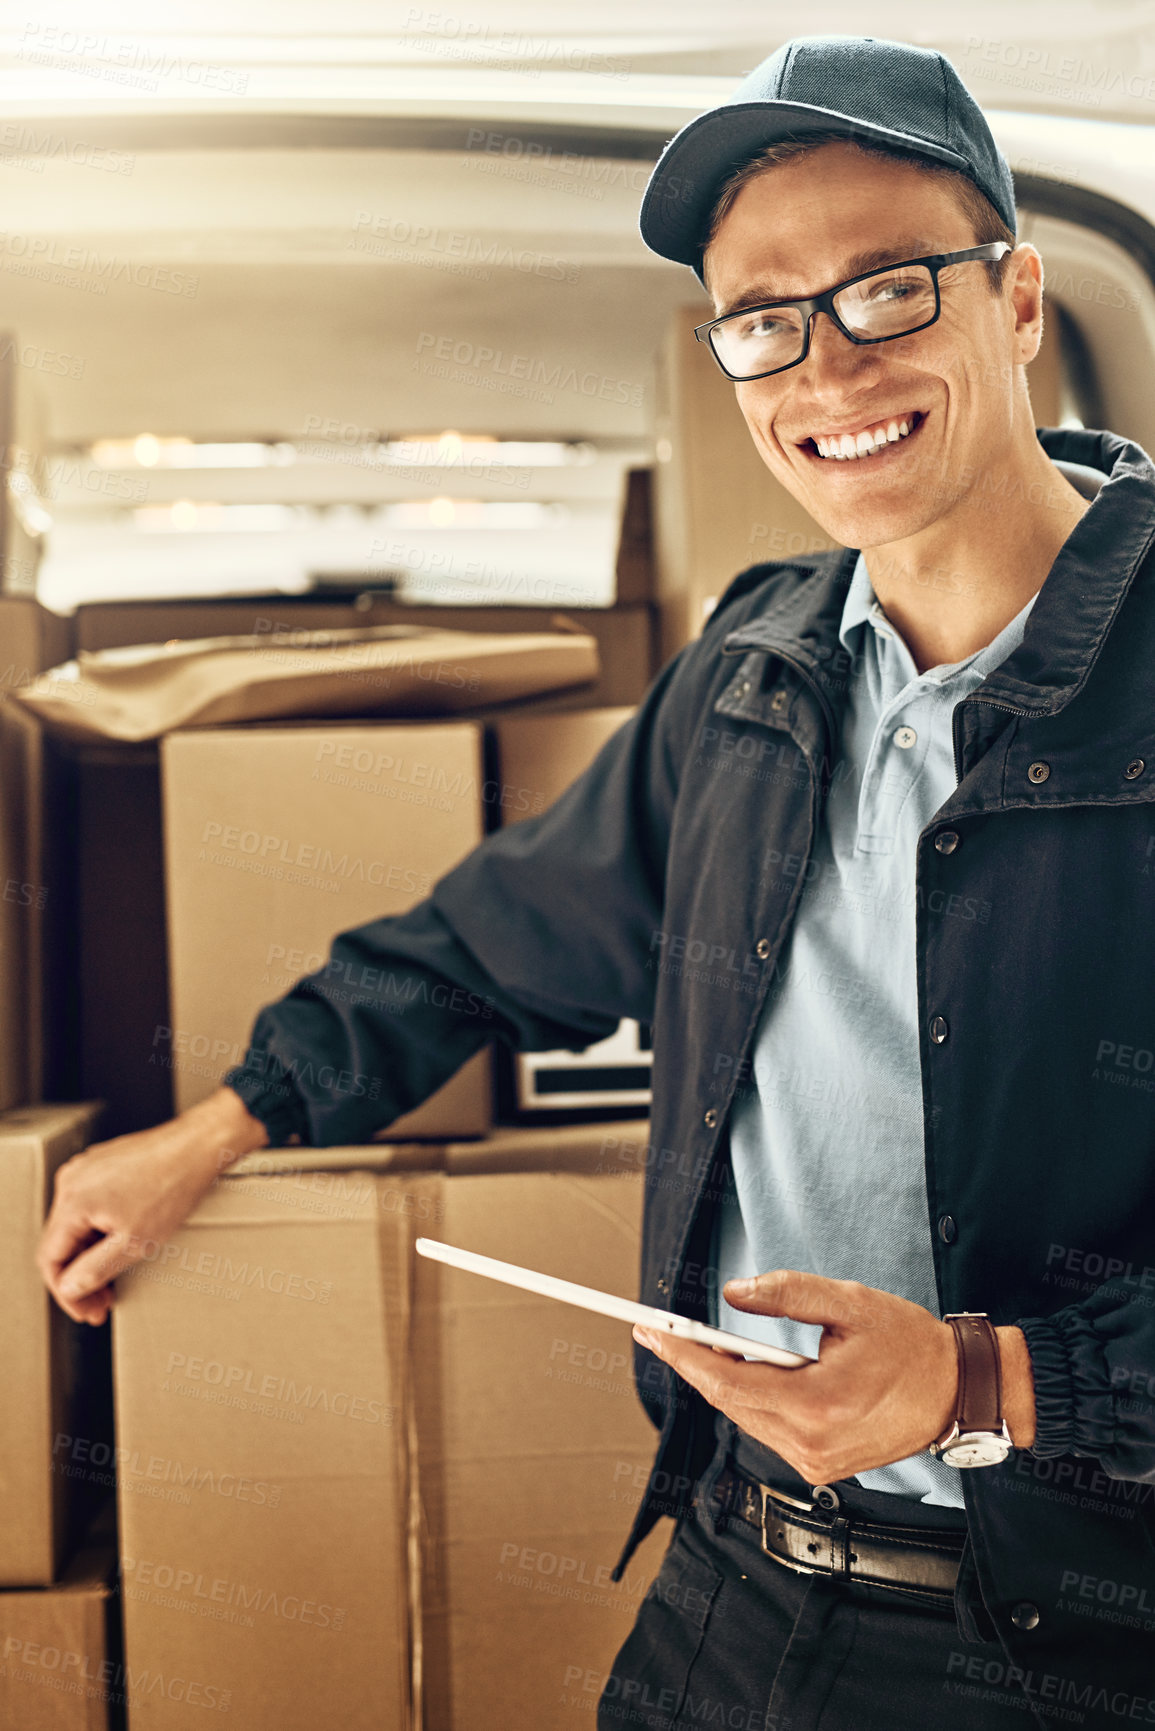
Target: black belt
(922, 1562)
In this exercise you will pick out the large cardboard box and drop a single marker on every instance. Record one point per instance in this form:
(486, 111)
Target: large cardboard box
(261, 1420)
(48, 1372)
(532, 1451)
(539, 755)
(31, 639)
(277, 838)
(59, 1669)
(309, 1414)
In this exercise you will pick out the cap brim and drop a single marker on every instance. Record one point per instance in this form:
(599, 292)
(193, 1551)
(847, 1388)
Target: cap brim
(681, 192)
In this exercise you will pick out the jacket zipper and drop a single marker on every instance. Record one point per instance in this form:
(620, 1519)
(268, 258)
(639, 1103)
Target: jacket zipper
(991, 703)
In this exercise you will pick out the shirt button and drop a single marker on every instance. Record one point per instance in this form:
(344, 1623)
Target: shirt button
(946, 840)
(762, 949)
(939, 1029)
(904, 737)
(663, 1284)
(1025, 1615)
(947, 1230)
(710, 1118)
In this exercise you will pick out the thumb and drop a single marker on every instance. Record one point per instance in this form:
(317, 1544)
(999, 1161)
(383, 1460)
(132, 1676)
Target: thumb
(836, 1304)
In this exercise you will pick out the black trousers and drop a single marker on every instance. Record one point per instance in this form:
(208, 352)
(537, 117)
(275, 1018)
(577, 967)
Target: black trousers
(727, 1637)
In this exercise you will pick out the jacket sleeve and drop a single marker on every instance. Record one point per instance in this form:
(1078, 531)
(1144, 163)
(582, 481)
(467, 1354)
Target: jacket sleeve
(1094, 1370)
(540, 937)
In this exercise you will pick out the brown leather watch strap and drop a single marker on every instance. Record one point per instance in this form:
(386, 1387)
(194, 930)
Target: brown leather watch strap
(980, 1403)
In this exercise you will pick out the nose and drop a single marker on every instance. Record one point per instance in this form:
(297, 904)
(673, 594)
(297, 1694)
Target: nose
(832, 357)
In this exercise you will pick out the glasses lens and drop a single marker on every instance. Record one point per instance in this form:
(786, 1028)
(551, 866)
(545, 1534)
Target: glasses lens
(888, 303)
(759, 341)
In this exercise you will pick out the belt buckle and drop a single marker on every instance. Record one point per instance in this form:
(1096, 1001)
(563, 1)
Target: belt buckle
(770, 1496)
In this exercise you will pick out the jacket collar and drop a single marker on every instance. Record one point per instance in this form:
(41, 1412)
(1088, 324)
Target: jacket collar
(1066, 627)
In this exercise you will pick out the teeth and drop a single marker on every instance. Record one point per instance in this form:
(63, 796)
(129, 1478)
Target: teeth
(843, 446)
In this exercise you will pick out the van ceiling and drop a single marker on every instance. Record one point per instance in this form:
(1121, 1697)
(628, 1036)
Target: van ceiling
(231, 222)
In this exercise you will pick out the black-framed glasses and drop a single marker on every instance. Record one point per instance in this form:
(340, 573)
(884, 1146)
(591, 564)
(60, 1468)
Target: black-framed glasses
(872, 308)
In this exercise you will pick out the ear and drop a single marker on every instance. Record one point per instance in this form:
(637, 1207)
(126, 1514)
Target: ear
(1023, 289)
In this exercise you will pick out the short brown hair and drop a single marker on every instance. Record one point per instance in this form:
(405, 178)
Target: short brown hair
(985, 220)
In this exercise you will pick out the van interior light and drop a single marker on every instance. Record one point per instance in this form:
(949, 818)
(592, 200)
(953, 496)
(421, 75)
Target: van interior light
(448, 449)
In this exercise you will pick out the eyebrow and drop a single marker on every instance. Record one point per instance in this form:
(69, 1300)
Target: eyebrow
(763, 291)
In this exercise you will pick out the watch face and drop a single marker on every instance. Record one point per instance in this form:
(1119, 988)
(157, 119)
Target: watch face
(976, 1449)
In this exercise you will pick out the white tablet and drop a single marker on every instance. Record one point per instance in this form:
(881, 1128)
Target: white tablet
(606, 1304)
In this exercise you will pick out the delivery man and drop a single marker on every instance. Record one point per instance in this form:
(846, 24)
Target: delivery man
(873, 857)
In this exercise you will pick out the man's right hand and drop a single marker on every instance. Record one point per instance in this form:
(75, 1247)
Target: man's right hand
(118, 1201)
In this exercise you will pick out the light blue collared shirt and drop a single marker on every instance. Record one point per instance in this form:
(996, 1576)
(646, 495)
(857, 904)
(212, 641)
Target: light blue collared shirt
(826, 1137)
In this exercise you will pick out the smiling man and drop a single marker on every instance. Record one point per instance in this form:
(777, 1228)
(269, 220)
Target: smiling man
(873, 857)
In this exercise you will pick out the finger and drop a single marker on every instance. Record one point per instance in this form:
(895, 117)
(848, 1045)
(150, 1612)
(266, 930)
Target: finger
(804, 1297)
(95, 1268)
(718, 1376)
(66, 1232)
(94, 1309)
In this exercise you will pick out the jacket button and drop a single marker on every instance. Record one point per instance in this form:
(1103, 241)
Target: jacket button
(762, 949)
(779, 700)
(947, 1230)
(939, 1029)
(1136, 767)
(663, 1284)
(1025, 1615)
(710, 1118)
(1038, 771)
(946, 840)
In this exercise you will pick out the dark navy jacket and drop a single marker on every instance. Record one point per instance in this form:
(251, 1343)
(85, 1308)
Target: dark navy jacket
(662, 885)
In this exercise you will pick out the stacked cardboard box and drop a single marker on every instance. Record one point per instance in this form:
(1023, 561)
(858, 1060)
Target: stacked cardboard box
(278, 837)
(392, 1493)
(59, 1669)
(56, 1456)
(31, 639)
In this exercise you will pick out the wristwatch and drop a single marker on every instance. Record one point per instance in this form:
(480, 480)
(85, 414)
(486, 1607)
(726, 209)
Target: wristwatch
(979, 1436)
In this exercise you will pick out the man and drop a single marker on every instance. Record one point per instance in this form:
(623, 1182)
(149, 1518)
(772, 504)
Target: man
(925, 903)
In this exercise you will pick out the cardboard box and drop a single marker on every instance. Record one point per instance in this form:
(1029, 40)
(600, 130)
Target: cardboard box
(626, 634)
(47, 1363)
(261, 1418)
(634, 566)
(137, 694)
(469, 1540)
(58, 1665)
(277, 838)
(31, 638)
(538, 756)
(717, 508)
(532, 1451)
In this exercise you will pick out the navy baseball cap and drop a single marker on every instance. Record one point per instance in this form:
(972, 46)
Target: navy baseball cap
(861, 86)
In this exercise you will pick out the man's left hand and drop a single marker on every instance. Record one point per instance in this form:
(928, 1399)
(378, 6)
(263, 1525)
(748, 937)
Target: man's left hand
(883, 1387)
